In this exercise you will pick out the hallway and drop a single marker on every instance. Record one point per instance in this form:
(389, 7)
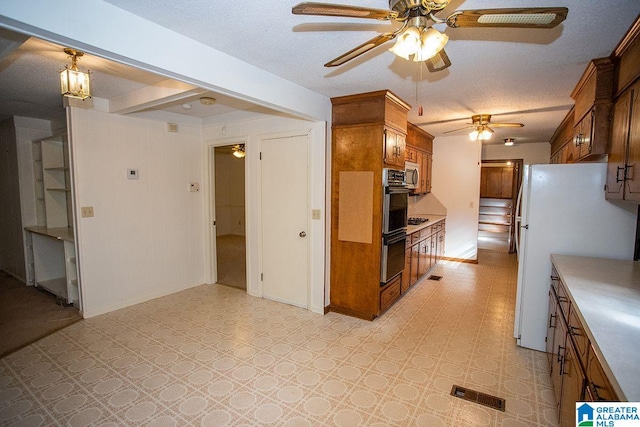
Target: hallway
(214, 356)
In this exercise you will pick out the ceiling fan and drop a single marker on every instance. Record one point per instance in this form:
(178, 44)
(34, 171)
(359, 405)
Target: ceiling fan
(481, 130)
(417, 37)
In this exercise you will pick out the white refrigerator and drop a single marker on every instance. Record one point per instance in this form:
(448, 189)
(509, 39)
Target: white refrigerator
(563, 211)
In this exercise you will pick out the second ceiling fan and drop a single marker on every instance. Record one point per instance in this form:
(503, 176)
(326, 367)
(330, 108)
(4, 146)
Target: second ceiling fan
(417, 38)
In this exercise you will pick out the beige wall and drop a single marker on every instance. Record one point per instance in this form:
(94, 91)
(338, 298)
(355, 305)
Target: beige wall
(533, 153)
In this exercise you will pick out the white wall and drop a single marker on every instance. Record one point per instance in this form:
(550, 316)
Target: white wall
(251, 133)
(531, 153)
(230, 212)
(147, 238)
(456, 184)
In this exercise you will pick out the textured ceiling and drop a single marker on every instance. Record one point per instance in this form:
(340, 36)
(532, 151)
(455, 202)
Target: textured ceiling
(517, 75)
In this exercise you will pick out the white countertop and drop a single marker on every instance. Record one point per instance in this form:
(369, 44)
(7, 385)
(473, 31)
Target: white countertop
(606, 294)
(432, 219)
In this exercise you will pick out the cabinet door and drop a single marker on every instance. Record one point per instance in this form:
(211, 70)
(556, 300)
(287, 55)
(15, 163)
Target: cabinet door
(394, 146)
(552, 320)
(423, 265)
(559, 350)
(407, 268)
(633, 160)
(415, 257)
(598, 384)
(428, 163)
(586, 136)
(617, 149)
(572, 387)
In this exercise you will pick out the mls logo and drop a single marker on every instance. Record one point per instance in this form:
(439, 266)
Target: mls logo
(584, 415)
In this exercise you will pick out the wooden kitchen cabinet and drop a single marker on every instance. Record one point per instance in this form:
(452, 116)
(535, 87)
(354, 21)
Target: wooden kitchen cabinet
(576, 372)
(421, 257)
(420, 151)
(394, 147)
(368, 134)
(623, 166)
(593, 97)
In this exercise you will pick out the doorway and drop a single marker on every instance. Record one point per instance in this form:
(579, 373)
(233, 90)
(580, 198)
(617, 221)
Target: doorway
(499, 184)
(231, 247)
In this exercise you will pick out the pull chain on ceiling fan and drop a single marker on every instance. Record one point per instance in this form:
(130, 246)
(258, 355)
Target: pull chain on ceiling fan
(417, 38)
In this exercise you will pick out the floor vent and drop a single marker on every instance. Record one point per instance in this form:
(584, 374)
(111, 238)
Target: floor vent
(477, 397)
(434, 277)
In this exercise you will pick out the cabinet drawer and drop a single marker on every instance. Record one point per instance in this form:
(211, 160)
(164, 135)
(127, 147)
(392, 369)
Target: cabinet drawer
(425, 232)
(580, 339)
(563, 297)
(598, 385)
(390, 294)
(415, 237)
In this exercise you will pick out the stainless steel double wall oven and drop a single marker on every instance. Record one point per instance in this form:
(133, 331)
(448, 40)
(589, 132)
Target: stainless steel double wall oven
(395, 201)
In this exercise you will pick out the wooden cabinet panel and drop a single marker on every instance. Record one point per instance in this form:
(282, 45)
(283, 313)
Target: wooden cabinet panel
(579, 337)
(390, 294)
(552, 321)
(415, 261)
(394, 146)
(623, 174)
(559, 347)
(496, 182)
(572, 387)
(598, 385)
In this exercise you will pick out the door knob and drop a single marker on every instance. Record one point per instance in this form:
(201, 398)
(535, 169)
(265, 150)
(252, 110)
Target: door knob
(303, 234)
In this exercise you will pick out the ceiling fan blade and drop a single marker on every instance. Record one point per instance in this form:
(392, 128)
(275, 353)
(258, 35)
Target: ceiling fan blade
(535, 17)
(326, 9)
(507, 125)
(357, 51)
(458, 130)
(438, 62)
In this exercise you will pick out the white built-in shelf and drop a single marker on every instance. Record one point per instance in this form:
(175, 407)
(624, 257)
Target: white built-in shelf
(57, 286)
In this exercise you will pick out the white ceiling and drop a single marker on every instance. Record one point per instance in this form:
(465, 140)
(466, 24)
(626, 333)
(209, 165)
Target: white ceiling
(517, 75)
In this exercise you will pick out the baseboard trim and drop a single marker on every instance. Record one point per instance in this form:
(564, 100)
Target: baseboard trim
(464, 260)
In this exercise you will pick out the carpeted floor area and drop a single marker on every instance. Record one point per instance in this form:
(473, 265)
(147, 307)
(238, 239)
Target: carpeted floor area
(28, 314)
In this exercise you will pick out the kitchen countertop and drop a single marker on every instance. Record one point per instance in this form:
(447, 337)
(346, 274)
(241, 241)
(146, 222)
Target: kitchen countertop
(432, 220)
(606, 294)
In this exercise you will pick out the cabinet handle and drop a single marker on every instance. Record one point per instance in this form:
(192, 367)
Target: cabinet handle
(627, 176)
(572, 331)
(562, 299)
(555, 278)
(559, 358)
(594, 389)
(618, 169)
(552, 317)
(578, 139)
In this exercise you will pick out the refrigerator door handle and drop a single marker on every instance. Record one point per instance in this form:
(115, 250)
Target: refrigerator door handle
(518, 217)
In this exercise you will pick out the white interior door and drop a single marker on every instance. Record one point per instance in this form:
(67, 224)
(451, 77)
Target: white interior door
(285, 219)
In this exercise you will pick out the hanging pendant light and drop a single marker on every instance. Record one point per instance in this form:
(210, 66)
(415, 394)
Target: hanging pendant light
(73, 82)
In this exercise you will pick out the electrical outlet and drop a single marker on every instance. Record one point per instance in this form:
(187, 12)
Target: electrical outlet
(86, 211)
(315, 213)
(132, 174)
(194, 187)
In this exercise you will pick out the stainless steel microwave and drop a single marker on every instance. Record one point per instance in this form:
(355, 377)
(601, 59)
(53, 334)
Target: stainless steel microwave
(412, 175)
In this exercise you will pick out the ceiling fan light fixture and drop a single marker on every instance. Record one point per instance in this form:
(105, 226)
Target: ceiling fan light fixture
(73, 82)
(238, 151)
(408, 43)
(481, 133)
(508, 142)
(432, 42)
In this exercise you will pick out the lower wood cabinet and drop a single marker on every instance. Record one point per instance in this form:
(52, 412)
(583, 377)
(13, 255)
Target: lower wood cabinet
(576, 373)
(422, 252)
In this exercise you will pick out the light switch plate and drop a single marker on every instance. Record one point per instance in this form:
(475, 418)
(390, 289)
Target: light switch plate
(315, 213)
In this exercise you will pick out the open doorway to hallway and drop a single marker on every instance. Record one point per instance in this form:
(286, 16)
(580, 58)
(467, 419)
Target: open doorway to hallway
(230, 215)
(499, 184)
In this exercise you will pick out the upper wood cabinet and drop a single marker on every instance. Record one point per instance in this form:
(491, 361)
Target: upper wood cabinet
(420, 150)
(561, 147)
(592, 112)
(623, 174)
(394, 149)
(623, 167)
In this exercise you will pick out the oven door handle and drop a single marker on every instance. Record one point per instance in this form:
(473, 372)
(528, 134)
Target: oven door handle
(396, 190)
(394, 238)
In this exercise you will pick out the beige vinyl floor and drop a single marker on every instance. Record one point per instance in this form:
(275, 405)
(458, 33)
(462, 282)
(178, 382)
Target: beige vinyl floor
(214, 356)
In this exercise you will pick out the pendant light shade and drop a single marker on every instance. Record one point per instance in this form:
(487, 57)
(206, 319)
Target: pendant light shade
(73, 82)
